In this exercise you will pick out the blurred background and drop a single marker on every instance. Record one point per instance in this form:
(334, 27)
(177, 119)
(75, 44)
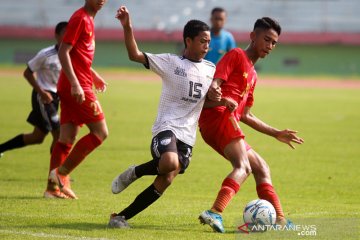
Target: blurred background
(320, 37)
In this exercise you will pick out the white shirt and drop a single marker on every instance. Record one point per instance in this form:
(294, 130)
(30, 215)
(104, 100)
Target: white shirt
(47, 66)
(185, 84)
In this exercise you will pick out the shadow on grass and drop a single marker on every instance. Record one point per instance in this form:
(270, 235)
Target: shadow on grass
(83, 226)
(22, 197)
(178, 228)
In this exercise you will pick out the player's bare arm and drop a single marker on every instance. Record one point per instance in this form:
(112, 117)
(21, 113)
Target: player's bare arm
(133, 51)
(229, 103)
(286, 136)
(214, 92)
(45, 96)
(99, 82)
(64, 56)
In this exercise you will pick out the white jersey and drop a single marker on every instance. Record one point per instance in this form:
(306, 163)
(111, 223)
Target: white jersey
(47, 66)
(185, 84)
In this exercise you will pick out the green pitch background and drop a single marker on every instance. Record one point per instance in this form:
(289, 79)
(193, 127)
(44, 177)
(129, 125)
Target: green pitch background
(339, 60)
(318, 183)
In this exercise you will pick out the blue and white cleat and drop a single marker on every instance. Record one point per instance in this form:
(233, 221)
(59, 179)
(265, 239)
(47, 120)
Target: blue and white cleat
(214, 220)
(285, 224)
(289, 224)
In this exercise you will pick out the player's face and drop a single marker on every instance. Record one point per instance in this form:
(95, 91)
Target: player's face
(199, 46)
(264, 41)
(218, 20)
(96, 4)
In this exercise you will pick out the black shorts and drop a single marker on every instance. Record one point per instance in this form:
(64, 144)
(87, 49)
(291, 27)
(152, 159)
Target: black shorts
(44, 116)
(166, 141)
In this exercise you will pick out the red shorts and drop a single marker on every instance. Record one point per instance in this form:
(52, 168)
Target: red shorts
(218, 127)
(88, 111)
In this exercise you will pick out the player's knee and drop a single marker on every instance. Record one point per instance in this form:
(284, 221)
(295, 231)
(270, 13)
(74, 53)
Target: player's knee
(245, 168)
(67, 140)
(168, 163)
(102, 134)
(242, 167)
(173, 164)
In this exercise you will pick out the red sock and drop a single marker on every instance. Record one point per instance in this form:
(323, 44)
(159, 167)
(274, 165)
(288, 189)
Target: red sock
(228, 189)
(59, 154)
(81, 149)
(267, 192)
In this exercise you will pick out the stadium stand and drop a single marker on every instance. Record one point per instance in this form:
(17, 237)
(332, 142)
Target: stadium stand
(315, 21)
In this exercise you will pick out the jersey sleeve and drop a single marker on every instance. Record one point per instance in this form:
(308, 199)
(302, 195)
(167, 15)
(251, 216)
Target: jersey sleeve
(250, 98)
(73, 30)
(36, 62)
(158, 63)
(227, 64)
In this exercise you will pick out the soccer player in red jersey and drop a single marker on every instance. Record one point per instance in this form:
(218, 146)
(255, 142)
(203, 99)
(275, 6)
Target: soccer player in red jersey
(230, 99)
(78, 102)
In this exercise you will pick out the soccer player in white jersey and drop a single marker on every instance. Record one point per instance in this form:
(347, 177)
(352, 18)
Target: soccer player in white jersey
(186, 80)
(42, 73)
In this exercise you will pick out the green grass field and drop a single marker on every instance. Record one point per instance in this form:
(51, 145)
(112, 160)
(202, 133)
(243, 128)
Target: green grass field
(318, 183)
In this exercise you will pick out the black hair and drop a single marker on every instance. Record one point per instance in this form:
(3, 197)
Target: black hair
(60, 26)
(193, 28)
(217, 9)
(267, 23)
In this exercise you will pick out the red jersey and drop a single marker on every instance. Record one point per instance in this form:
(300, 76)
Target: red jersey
(218, 126)
(80, 34)
(239, 76)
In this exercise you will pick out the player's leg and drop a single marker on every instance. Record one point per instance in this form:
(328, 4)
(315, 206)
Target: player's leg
(164, 142)
(37, 136)
(264, 188)
(235, 152)
(60, 175)
(51, 188)
(98, 133)
(164, 145)
(144, 199)
(60, 152)
(174, 159)
(55, 137)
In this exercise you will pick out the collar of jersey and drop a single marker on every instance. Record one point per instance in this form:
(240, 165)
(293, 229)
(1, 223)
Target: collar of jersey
(191, 59)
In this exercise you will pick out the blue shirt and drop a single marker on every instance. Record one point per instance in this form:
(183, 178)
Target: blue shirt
(219, 45)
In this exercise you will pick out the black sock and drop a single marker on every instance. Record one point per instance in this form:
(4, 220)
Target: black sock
(142, 201)
(148, 168)
(16, 142)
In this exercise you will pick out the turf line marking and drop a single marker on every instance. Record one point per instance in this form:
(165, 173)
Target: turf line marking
(46, 235)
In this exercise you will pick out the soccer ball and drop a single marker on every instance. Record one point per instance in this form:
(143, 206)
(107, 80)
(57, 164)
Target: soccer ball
(258, 215)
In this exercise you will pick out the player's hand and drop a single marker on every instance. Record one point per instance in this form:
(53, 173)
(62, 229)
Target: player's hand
(78, 93)
(289, 136)
(230, 104)
(100, 86)
(46, 97)
(123, 16)
(99, 82)
(214, 93)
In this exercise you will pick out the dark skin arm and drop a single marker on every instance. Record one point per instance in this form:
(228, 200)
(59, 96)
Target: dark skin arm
(286, 136)
(45, 96)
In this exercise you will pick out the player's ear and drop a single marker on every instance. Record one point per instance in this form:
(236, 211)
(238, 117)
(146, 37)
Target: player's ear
(252, 36)
(188, 41)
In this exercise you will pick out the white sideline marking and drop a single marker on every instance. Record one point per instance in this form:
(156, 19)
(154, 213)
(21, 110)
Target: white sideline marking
(46, 235)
